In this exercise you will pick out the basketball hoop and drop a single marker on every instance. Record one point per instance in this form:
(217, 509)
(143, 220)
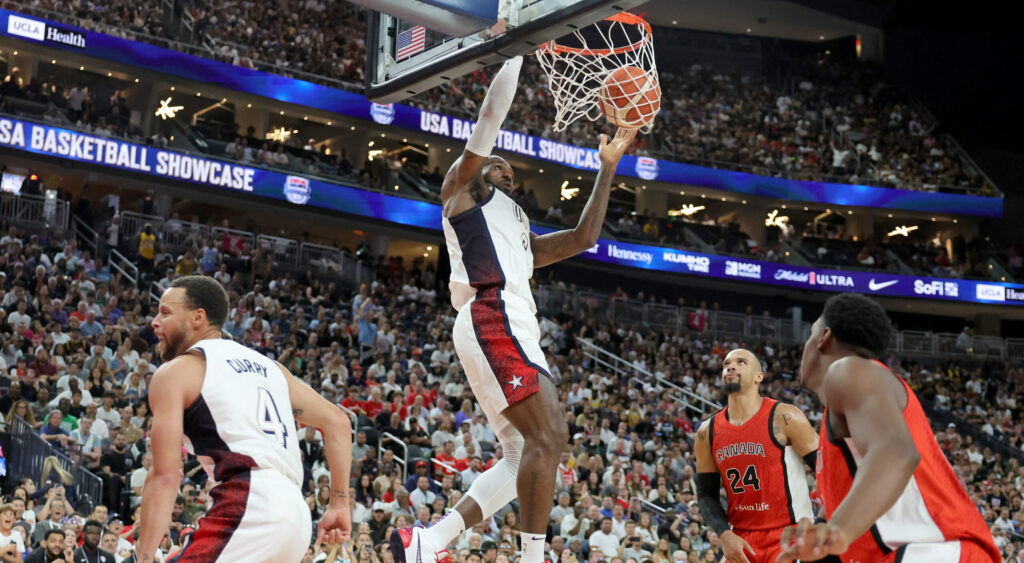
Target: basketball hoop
(578, 64)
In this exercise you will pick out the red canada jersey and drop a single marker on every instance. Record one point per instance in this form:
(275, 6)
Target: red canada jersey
(764, 480)
(932, 510)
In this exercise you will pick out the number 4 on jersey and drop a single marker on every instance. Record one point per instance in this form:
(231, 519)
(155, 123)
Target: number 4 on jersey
(749, 479)
(269, 419)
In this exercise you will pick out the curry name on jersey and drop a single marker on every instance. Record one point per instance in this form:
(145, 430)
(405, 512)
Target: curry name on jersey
(242, 418)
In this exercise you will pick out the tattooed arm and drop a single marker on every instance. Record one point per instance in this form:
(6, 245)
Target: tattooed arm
(311, 409)
(791, 428)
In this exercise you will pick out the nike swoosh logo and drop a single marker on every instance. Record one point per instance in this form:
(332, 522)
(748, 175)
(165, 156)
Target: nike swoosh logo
(876, 286)
(535, 538)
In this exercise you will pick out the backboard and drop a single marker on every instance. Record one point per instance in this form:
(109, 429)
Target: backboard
(406, 55)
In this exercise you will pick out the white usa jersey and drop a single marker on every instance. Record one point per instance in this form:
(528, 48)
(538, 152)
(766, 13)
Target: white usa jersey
(489, 248)
(242, 418)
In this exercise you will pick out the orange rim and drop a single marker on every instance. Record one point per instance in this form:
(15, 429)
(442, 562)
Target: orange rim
(621, 17)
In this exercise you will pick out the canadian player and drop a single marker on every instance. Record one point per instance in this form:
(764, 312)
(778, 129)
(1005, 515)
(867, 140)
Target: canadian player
(236, 410)
(889, 493)
(758, 447)
(496, 334)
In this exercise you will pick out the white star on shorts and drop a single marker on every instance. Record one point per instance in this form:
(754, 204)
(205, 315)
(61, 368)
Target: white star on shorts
(516, 382)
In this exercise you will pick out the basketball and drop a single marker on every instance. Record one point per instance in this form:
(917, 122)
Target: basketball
(630, 97)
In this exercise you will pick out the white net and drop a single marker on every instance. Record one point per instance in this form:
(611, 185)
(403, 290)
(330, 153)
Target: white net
(578, 65)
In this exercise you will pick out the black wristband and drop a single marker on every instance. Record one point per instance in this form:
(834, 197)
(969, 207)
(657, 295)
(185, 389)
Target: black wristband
(811, 459)
(708, 486)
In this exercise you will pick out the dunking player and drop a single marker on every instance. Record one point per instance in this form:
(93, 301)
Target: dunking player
(496, 335)
(233, 408)
(755, 444)
(889, 493)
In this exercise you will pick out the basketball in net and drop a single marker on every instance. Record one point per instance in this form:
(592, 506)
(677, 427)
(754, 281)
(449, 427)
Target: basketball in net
(630, 97)
(605, 69)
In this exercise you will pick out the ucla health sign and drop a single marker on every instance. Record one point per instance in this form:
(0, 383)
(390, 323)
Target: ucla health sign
(37, 138)
(39, 30)
(307, 94)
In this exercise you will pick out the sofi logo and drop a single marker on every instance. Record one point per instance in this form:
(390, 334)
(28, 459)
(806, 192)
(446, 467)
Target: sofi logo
(990, 292)
(25, 27)
(947, 289)
(382, 113)
(646, 168)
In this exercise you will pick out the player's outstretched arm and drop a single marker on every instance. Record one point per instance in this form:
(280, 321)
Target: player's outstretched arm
(493, 110)
(311, 409)
(559, 245)
(167, 403)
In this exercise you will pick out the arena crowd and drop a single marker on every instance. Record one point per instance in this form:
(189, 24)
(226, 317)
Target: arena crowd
(78, 353)
(832, 119)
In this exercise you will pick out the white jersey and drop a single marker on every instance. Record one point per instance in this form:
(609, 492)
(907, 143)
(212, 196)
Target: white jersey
(242, 418)
(489, 247)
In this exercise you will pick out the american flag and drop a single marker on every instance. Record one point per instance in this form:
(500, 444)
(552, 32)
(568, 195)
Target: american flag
(410, 42)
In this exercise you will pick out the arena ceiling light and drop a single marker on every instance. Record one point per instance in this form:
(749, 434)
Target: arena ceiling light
(166, 110)
(567, 192)
(903, 230)
(775, 220)
(687, 210)
(280, 135)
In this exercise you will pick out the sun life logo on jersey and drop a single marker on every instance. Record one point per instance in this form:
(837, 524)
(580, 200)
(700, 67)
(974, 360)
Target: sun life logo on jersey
(383, 113)
(297, 189)
(646, 168)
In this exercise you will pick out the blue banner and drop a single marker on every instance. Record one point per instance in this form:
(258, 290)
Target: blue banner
(398, 115)
(226, 175)
(817, 279)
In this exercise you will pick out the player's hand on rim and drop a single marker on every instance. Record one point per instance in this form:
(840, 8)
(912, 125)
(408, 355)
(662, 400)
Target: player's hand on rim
(611, 150)
(734, 547)
(809, 541)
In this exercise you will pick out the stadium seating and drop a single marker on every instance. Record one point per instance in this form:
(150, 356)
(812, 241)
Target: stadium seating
(655, 355)
(816, 125)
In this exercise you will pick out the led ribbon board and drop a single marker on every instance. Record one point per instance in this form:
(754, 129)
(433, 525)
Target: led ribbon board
(220, 174)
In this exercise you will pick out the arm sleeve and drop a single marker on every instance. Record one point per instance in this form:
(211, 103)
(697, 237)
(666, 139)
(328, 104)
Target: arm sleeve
(708, 485)
(495, 108)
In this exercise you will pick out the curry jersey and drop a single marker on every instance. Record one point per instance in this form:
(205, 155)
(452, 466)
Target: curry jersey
(489, 247)
(242, 418)
(933, 508)
(764, 480)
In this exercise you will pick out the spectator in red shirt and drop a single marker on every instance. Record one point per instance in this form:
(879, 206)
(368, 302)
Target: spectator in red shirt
(446, 456)
(43, 364)
(352, 402)
(79, 313)
(416, 389)
(373, 405)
